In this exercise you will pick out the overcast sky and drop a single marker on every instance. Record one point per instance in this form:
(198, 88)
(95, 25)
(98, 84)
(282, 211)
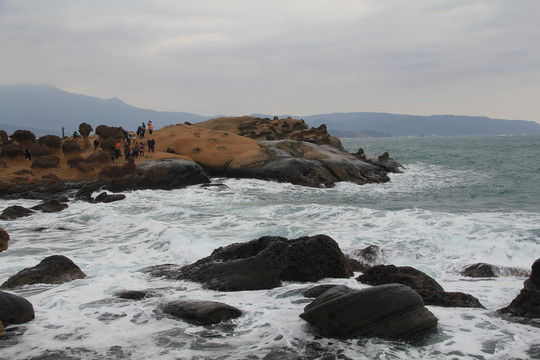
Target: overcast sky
(298, 57)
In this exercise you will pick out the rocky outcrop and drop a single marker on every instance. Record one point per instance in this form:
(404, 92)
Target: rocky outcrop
(202, 312)
(487, 270)
(424, 285)
(50, 206)
(263, 263)
(56, 269)
(15, 309)
(14, 212)
(40, 150)
(3, 137)
(527, 303)
(105, 132)
(4, 239)
(387, 311)
(11, 149)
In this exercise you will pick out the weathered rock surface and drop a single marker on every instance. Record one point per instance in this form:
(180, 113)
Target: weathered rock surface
(488, 270)
(263, 263)
(51, 141)
(24, 137)
(11, 149)
(4, 239)
(50, 206)
(56, 269)
(318, 290)
(527, 303)
(15, 309)
(71, 146)
(424, 285)
(14, 212)
(202, 312)
(387, 311)
(46, 161)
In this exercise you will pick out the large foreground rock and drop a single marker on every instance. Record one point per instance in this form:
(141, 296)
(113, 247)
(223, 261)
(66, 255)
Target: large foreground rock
(202, 312)
(386, 311)
(424, 285)
(15, 309)
(263, 263)
(56, 269)
(527, 303)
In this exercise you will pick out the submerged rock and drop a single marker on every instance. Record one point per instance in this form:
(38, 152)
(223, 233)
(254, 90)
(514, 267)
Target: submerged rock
(488, 270)
(263, 263)
(527, 303)
(202, 312)
(387, 311)
(135, 294)
(15, 309)
(106, 198)
(56, 269)
(424, 285)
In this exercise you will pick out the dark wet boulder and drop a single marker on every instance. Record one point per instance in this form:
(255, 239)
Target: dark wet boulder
(51, 141)
(15, 309)
(46, 162)
(2, 333)
(387, 311)
(426, 286)
(50, 206)
(386, 162)
(24, 137)
(488, 270)
(4, 239)
(135, 294)
(71, 146)
(263, 264)
(202, 312)
(527, 303)
(108, 198)
(56, 269)
(14, 212)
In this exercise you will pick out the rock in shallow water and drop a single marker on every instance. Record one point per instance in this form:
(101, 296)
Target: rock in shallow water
(387, 311)
(56, 269)
(263, 263)
(202, 312)
(15, 309)
(426, 286)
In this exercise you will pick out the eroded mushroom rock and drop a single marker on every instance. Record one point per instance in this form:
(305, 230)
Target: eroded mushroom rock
(51, 141)
(424, 285)
(46, 162)
(387, 311)
(263, 264)
(55, 269)
(24, 137)
(71, 146)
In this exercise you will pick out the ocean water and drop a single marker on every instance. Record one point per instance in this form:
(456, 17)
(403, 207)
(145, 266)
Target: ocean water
(460, 201)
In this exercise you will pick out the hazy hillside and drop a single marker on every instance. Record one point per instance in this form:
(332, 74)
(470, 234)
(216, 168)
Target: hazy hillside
(412, 125)
(49, 108)
(45, 109)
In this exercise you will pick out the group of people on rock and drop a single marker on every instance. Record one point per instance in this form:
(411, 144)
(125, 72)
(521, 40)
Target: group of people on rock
(142, 129)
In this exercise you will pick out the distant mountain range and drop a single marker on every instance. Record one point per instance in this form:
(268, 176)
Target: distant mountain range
(45, 109)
